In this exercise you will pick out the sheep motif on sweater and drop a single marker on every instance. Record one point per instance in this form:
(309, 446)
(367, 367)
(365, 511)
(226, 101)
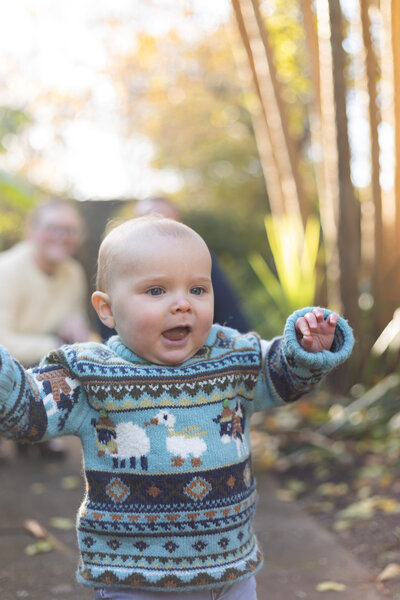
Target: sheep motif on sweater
(125, 441)
(170, 488)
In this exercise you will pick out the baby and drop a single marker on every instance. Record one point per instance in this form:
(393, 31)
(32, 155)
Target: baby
(163, 413)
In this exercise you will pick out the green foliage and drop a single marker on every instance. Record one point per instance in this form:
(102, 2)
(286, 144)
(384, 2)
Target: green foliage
(293, 282)
(11, 121)
(283, 21)
(186, 96)
(17, 198)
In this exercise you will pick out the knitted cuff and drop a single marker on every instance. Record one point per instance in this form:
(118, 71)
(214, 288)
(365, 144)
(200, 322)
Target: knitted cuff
(326, 359)
(7, 377)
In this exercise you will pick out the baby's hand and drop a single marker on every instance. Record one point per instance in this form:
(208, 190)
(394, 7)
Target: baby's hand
(314, 333)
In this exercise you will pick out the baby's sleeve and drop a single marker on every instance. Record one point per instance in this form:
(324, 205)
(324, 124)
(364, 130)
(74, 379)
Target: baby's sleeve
(40, 403)
(288, 371)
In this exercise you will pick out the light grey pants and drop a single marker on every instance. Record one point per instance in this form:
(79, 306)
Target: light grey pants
(242, 590)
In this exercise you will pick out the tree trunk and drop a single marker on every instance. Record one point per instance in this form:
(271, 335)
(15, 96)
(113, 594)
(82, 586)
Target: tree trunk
(349, 215)
(261, 61)
(319, 128)
(374, 120)
(269, 163)
(395, 20)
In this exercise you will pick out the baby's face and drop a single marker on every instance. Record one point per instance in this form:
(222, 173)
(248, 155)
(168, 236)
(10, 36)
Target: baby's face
(162, 298)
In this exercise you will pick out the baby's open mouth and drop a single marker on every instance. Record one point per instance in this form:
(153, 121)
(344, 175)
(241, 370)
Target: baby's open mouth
(176, 333)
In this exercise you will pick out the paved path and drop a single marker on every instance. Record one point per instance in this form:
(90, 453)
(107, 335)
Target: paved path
(298, 553)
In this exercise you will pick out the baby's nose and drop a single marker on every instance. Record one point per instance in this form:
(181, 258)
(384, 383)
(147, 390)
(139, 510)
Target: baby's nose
(182, 304)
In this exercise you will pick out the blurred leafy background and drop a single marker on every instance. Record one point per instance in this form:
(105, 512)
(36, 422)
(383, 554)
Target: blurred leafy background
(273, 125)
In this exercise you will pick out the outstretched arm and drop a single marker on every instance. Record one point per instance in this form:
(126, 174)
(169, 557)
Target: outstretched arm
(315, 341)
(39, 403)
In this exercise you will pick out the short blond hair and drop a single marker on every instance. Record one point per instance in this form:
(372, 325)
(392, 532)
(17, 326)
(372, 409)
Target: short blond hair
(117, 237)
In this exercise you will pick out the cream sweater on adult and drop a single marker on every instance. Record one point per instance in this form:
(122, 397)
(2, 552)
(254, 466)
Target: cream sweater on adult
(33, 305)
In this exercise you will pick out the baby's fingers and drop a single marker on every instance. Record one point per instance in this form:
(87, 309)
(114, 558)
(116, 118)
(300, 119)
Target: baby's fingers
(310, 321)
(332, 320)
(302, 326)
(315, 320)
(315, 317)
(303, 329)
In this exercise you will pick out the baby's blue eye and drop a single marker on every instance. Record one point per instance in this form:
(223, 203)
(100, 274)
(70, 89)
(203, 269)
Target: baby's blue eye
(197, 291)
(155, 291)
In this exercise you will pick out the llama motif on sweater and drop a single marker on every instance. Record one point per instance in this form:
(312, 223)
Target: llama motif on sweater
(182, 444)
(170, 488)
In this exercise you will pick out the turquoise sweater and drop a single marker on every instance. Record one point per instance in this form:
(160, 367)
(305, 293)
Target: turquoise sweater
(170, 489)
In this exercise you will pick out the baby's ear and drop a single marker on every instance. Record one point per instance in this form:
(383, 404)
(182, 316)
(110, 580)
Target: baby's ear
(102, 305)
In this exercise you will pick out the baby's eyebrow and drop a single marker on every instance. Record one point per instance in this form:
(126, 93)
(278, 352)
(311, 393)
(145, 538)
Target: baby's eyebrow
(159, 277)
(202, 279)
(153, 278)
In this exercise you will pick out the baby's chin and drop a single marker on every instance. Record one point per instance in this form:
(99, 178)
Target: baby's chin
(170, 359)
(169, 362)
(166, 356)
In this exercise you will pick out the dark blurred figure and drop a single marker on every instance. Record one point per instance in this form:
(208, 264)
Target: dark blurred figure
(44, 293)
(227, 310)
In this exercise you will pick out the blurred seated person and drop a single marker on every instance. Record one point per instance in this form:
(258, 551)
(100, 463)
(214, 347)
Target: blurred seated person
(44, 293)
(227, 310)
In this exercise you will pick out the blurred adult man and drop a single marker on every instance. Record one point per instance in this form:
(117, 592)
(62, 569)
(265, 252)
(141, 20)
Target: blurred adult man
(44, 290)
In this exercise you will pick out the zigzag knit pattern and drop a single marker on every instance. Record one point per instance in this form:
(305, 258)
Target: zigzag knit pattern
(170, 488)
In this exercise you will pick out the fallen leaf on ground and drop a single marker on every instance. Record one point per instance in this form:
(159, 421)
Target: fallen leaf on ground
(364, 491)
(333, 489)
(285, 495)
(391, 571)
(71, 482)
(293, 488)
(41, 534)
(39, 547)
(364, 509)
(62, 523)
(342, 525)
(35, 529)
(372, 471)
(386, 480)
(330, 586)
(388, 505)
(296, 486)
(321, 507)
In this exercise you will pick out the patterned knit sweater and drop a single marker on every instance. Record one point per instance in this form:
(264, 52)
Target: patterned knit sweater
(170, 489)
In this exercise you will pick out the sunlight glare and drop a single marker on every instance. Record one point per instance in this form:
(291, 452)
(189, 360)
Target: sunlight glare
(55, 49)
